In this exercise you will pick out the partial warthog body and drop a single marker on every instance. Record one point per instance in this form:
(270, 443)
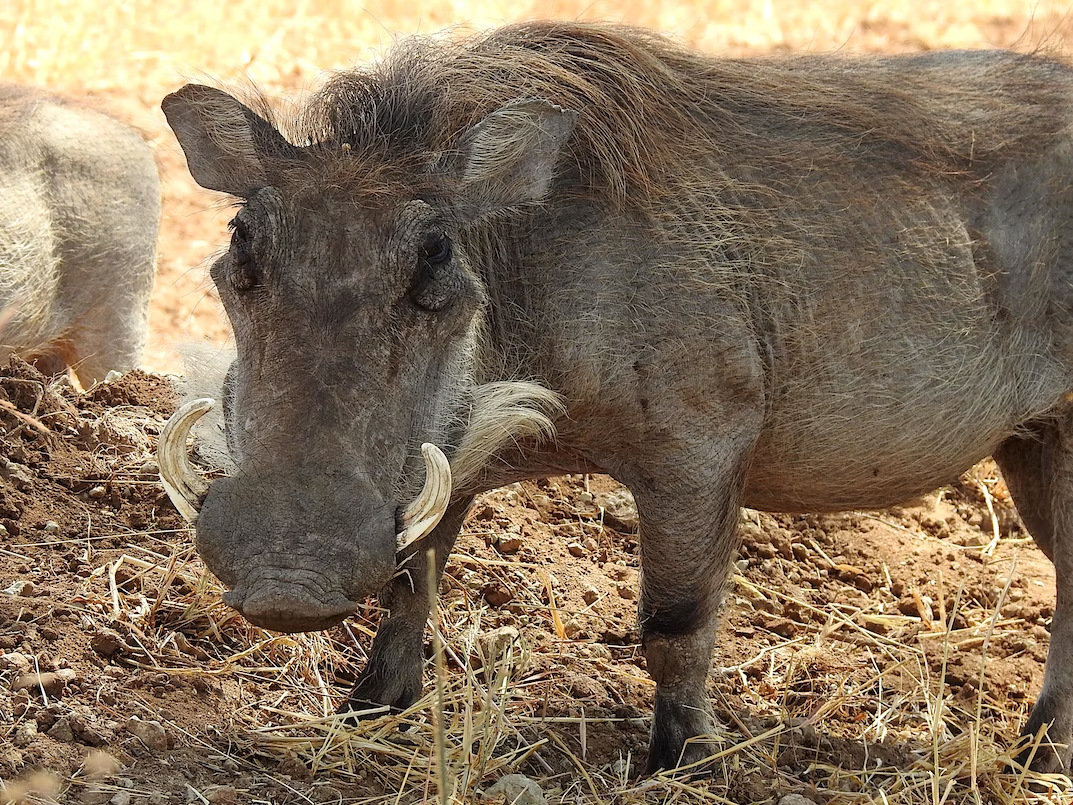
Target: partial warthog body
(799, 284)
(79, 211)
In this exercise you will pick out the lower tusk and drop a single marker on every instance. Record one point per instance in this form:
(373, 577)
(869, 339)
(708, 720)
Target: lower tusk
(181, 481)
(425, 512)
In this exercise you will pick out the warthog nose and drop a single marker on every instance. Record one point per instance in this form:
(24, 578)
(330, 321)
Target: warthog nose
(283, 611)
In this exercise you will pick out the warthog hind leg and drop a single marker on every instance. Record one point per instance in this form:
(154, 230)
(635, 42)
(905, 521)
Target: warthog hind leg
(1039, 473)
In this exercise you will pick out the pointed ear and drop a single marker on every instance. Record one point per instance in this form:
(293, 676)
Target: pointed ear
(509, 157)
(227, 145)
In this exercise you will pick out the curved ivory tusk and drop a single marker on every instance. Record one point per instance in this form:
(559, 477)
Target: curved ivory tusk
(181, 481)
(424, 513)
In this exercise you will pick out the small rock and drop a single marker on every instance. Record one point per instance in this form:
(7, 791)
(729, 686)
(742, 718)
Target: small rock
(576, 549)
(620, 511)
(626, 591)
(16, 662)
(151, 733)
(221, 794)
(589, 544)
(571, 628)
(590, 594)
(784, 627)
(20, 587)
(62, 731)
(17, 475)
(515, 789)
(52, 527)
(98, 492)
(121, 798)
(509, 544)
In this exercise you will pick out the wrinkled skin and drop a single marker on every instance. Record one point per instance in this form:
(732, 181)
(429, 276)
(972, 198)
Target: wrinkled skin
(846, 322)
(79, 210)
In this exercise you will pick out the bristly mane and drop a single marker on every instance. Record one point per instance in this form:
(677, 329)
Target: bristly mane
(651, 109)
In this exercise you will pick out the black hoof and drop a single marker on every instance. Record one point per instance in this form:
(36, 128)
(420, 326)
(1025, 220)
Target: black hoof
(677, 738)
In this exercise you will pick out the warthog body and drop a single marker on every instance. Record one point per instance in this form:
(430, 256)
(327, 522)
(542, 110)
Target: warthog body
(798, 284)
(79, 210)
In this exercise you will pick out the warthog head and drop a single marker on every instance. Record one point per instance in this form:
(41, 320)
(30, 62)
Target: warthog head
(358, 310)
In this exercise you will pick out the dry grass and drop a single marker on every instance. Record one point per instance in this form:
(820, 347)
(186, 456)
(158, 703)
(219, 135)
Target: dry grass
(479, 720)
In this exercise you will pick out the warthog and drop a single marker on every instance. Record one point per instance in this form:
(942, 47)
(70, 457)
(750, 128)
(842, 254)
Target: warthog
(79, 210)
(799, 284)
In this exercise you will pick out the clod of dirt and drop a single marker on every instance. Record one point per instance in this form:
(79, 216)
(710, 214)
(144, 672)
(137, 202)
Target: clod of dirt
(106, 642)
(515, 789)
(51, 682)
(294, 768)
(16, 662)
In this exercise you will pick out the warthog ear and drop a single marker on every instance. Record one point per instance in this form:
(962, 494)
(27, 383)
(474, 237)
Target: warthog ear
(509, 157)
(226, 143)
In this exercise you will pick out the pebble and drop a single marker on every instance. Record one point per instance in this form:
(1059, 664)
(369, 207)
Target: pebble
(20, 587)
(620, 511)
(576, 549)
(516, 789)
(17, 662)
(590, 594)
(497, 596)
(121, 798)
(293, 767)
(221, 794)
(62, 731)
(151, 733)
(509, 544)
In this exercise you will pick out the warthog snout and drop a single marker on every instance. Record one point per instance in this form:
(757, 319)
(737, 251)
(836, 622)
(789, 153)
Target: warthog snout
(298, 546)
(298, 549)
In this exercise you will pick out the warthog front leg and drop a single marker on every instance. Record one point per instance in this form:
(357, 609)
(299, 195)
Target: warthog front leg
(687, 543)
(1039, 474)
(393, 673)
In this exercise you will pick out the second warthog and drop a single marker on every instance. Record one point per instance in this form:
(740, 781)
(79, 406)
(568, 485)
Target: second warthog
(79, 211)
(797, 284)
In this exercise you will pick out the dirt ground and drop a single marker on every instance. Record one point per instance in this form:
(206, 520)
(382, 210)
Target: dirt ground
(865, 657)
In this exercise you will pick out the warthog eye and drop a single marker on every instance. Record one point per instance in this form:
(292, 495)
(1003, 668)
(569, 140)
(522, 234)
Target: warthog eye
(245, 273)
(436, 250)
(433, 289)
